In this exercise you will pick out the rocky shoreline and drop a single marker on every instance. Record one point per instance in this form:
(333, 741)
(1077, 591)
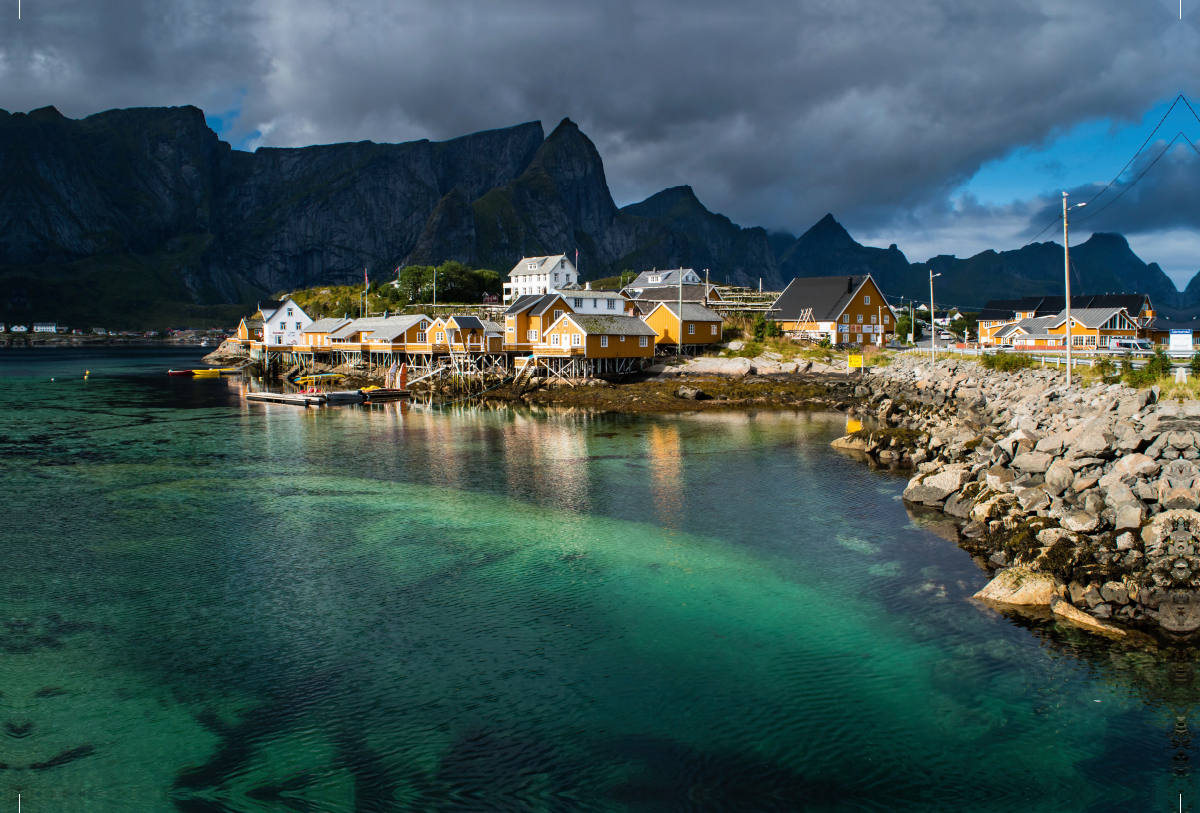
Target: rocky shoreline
(1082, 500)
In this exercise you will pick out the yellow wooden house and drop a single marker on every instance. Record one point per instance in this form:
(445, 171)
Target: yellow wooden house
(700, 325)
(316, 334)
(527, 320)
(845, 309)
(608, 343)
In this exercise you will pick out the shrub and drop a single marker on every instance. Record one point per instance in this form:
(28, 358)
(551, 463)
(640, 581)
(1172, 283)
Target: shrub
(1195, 365)
(824, 344)
(1107, 370)
(1006, 362)
(1157, 367)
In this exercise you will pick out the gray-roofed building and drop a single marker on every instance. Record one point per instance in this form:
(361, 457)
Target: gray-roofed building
(664, 279)
(395, 327)
(846, 309)
(539, 275)
(355, 331)
(699, 324)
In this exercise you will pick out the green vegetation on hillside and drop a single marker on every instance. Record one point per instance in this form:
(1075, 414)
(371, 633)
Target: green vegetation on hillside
(456, 284)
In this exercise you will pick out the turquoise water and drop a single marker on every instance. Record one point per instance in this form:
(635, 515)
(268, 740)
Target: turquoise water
(209, 606)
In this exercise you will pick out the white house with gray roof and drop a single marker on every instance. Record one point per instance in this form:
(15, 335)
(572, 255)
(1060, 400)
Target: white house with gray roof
(539, 275)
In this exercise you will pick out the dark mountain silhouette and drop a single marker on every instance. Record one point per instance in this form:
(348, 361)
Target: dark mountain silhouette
(144, 217)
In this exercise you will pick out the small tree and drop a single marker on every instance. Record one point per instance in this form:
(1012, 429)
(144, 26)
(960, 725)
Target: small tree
(758, 328)
(1195, 365)
(905, 325)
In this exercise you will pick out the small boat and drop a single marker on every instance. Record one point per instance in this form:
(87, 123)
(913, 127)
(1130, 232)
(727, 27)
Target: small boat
(206, 373)
(375, 394)
(180, 372)
(345, 397)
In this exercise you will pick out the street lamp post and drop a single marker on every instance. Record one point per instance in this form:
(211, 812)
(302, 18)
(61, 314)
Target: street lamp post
(1067, 279)
(932, 319)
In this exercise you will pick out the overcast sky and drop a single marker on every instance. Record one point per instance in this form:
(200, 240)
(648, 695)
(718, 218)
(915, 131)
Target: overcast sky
(945, 126)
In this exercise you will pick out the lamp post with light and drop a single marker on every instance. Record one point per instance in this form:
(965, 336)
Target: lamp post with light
(1067, 277)
(932, 319)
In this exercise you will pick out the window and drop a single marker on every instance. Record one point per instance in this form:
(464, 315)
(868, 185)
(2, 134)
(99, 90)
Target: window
(612, 304)
(556, 277)
(576, 339)
(531, 335)
(421, 337)
(887, 320)
(289, 311)
(532, 265)
(845, 317)
(622, 337)
(643, 341)
(298, 326)
(511, 329)
(578, 302)
(441, 337)
(714, 329)
(692, 328)
(604, 341)
(866, 300)
(557, 315)
(568, 277)
(278, 340)
(554, 339)
(654, 279)
(424, 324)
(860, 318)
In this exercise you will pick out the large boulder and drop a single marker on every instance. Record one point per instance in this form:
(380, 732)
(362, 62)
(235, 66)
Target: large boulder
(1032, 462)
(936, 487)
(1130, 466)
(1080, 521)
(1017, 585)
(1059, 478)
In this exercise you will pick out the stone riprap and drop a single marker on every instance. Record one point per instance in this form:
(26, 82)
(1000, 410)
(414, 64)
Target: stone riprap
(1096, 487)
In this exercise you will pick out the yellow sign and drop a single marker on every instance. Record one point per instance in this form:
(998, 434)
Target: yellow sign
(856, 361)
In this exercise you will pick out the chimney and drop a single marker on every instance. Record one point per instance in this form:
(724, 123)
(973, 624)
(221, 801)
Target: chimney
(587, 286)
(849, 285)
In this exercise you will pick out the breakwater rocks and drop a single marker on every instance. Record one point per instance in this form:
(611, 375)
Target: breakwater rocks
(1083, 499)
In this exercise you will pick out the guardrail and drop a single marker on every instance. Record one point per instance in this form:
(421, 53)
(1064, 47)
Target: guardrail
(1138, 360)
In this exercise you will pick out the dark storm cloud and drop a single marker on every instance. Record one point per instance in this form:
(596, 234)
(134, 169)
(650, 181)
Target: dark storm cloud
(1167, 196)
(776, 112)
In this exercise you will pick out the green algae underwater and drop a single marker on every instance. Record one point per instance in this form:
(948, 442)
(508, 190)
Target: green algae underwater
(209, 606)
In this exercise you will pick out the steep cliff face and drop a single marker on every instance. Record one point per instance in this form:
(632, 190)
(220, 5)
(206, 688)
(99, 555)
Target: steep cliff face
(144, 217)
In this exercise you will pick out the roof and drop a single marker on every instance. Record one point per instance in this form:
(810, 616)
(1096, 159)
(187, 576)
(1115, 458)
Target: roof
(394, 326)
(492, 327)
(693, 293)
(598, 323)
(367, 324)
(827, 296)
(270, 305)
(525, 302)
(546, 262)
(1088, 317)
(544, 305)
(467, 323)
(1037, 324)
(589, 293)
(692, 313)
(327, 325)
(252, 321)
(668, 277)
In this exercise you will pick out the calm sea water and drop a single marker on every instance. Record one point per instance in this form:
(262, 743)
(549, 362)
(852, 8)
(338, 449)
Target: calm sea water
(209, 606)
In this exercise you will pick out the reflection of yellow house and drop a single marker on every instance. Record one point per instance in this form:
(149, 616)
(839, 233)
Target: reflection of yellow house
(666, 471)
(700, 325)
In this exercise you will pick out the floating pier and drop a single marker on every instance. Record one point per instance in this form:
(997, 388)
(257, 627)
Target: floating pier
(293, 398)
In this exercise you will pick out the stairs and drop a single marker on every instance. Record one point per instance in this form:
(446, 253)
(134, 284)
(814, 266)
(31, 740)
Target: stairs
(523, 377)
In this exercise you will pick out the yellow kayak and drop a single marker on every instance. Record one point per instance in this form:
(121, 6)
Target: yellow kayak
(206, 373)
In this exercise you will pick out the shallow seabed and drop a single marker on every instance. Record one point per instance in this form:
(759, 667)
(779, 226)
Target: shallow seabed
(210, 606)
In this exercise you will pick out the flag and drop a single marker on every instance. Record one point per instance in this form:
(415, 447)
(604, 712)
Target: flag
(366, 284)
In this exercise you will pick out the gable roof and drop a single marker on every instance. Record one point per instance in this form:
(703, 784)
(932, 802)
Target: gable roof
(663, 278)
(691, 293)
(394, 326)
(543, 263)
(1090, 318)
(827, 296)
(598, 324)
(524, 302)
(366, 324)
(547, 302)
(466, 322)
(252, 321)
(326, 325)
(691, 312)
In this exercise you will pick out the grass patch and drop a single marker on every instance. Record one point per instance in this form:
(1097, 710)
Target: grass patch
(1005, 362)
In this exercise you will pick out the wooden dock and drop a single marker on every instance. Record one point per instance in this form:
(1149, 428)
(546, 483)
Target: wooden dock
(293, 398)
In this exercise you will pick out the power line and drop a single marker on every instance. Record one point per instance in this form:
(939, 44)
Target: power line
(1139, 177)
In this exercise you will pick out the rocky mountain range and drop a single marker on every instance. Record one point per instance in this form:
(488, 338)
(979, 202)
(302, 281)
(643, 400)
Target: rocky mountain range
(144, 217)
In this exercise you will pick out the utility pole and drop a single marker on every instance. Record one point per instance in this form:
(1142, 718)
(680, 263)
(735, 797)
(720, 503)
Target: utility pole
(679, 344)
(932, 319)
(435, 288)
(1067, 278)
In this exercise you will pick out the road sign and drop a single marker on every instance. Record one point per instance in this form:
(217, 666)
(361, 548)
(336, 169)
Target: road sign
(855, 361)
